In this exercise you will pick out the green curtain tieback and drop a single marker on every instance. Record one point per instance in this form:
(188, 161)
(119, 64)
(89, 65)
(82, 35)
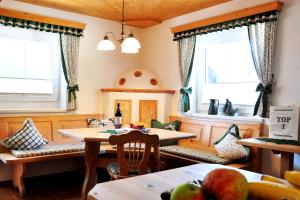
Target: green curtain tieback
(264, 92)
(72, 90)
(185, 91)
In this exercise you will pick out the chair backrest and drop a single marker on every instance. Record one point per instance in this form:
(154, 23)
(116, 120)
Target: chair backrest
(135, 156)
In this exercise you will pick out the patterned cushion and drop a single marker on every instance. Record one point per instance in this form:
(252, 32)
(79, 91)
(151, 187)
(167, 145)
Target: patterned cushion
(52, 148)
(195, 154)
(27, 138)
(114, 168)
(227, 147)
(174, 126)
(93, 123)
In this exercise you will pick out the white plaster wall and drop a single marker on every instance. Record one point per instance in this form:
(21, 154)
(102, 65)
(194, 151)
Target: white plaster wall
(97, 69)
(159, 53)
(142, 82)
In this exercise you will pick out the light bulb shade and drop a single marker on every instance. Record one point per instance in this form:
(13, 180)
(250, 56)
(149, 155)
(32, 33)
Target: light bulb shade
(130, 45)
(106, 45)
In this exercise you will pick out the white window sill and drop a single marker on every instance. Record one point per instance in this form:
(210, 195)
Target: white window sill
(28, 111)
(243, 119)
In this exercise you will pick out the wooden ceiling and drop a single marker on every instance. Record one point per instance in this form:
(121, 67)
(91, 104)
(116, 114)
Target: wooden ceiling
(138, 13)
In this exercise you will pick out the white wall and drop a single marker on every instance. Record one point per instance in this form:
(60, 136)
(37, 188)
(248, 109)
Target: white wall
(159, 53)
(97, 69)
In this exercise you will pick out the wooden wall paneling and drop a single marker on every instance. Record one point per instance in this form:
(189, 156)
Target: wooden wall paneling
(148, 111)
(211, 130)
(125, 106)
(47, 124)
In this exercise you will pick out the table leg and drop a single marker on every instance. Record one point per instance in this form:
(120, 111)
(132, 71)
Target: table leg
(91, 156)
(286, 162)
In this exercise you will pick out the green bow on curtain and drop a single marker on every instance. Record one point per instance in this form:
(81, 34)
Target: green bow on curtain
(185, 98)
(72, 90)
(264, 91)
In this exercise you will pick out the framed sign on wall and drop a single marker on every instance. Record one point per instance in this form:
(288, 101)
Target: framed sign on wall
(284, 122)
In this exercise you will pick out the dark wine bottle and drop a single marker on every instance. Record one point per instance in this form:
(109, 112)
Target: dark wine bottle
(118, 117)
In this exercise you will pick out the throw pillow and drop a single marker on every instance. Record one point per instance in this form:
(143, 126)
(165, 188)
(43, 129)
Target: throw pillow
(227, 147)
(27, 138)
(173, 126)
(93, 123)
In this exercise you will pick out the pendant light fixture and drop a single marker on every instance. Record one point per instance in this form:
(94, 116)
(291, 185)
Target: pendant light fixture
(128, 43)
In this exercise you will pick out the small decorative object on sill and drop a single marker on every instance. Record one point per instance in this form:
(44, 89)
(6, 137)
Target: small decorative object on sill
(279, 141)
(228, 110)
(213, 107)
(284, 122)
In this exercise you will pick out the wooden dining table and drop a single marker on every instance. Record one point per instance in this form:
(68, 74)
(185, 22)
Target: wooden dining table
(150, 186)
(93, 138)
(286, 152)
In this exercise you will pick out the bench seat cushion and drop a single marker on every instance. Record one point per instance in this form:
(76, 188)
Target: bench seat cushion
(49, 149)
(195, 154)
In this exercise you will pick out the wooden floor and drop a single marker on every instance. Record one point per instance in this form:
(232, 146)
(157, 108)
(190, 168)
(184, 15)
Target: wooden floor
(66, 186)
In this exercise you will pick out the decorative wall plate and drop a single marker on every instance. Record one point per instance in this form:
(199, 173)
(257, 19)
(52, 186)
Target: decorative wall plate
(122, 81)
(153, 81)
(137, 73)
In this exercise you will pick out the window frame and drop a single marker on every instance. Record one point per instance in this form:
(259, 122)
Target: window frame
(197, 106)
(54, 101)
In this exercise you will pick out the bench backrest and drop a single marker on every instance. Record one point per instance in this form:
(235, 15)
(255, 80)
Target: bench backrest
(210, 130)
(47, 124)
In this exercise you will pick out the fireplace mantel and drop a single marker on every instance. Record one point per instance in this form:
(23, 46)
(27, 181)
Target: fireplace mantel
(137, 90)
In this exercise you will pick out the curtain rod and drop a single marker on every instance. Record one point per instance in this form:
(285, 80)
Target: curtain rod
(275, 5)
(40, 18)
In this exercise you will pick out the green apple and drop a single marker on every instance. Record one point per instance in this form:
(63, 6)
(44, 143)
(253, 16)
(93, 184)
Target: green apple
(187, 191)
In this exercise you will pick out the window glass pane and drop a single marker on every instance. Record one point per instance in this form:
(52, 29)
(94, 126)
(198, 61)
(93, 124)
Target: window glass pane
(230, 62)
(225, 68)
(24, 86)
(30, 69)
(240, 93)
(38, 60)
(12, 58)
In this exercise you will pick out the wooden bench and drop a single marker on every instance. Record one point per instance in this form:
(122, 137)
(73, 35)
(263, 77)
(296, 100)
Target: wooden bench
(208, 131)
(47, 125)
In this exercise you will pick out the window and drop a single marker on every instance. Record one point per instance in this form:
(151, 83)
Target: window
(223, 68)
(30, 70)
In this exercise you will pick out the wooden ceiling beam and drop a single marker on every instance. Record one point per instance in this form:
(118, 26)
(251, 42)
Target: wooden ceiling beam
(40, 18)
(276, 5)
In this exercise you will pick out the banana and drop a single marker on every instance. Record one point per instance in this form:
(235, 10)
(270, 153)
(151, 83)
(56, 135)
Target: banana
(293, 177)
(273, 191)
(273, 179)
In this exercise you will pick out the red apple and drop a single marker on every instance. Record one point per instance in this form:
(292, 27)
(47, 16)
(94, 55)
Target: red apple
(226, 184)
(187, 191)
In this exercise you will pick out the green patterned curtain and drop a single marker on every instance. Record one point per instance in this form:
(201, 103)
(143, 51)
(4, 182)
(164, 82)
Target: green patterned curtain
(186, 50)
(262, 37)
(245, 21)
(22, 23)
(69, 46)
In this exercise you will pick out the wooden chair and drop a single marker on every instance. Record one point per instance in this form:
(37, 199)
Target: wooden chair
(134, 152)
